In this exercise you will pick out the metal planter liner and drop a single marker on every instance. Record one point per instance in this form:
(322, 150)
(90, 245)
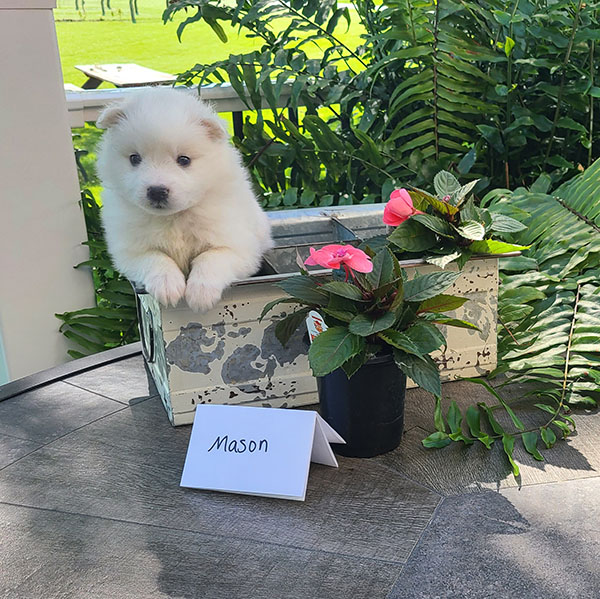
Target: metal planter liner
(226, 356)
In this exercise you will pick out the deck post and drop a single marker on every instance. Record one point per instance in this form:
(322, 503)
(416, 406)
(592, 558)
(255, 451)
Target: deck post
(41, 222)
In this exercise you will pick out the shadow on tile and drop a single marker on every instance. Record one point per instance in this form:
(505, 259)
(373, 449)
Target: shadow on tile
(458, 468)
(128, 467)
(49, 412)
(540, 541)
(51, 554)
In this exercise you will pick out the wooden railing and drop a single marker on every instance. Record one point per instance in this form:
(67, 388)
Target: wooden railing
(85, 106)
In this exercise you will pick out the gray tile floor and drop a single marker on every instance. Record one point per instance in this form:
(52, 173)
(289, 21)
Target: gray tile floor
(90, 508)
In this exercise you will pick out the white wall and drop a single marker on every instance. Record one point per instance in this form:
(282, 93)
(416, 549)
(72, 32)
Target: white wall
(41, 223)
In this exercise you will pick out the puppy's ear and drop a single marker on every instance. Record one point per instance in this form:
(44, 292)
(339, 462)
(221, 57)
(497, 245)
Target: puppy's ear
(111, 115)
(215, 128)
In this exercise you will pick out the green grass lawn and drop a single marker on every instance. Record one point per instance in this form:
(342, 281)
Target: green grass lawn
(86, 37)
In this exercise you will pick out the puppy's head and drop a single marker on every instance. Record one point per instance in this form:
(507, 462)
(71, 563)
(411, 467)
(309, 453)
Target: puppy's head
(162, 151)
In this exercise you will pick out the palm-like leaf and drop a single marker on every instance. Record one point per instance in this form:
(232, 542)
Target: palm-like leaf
(556, 343)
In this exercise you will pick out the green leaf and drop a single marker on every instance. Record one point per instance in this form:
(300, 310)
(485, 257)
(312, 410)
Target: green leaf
(517, 263)
(286, 327)
(436, 440)
(443, 260)
(426, 336)
(412, 236)
(496, 426)
(352, 365)
(523, 294)
(459, 196)
(383, 267)
(495, 247)
(473, 416)
(472, 230)
(435, 224)
(438, 418)
(401, 341)
(509, 313)
(509, 44)
(424, 372)
(566, 431)
(342, 289)
(442, 303)
(508, 442)
(492, 136)
(467, 161)
(454, 418)
(445, 184)
(456, 322)
(305, 289)
(455, 423)
(530, 443)
(428, 286)
(422, 198)
(282, 300)
(331, 349)
(505, 224)
(516, 421)
(546, 408)
(548, 436)
(366, 324)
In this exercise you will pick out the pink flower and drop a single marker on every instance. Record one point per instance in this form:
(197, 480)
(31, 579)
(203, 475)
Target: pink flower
(399, 208)
(334, 256)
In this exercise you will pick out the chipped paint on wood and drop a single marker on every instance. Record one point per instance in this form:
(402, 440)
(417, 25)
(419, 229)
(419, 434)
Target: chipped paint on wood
(226, 356)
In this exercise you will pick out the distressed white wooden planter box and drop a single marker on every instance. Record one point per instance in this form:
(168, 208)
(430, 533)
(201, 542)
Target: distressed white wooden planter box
(226, 356)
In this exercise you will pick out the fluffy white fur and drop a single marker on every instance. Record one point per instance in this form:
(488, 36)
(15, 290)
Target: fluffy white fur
(211, 230)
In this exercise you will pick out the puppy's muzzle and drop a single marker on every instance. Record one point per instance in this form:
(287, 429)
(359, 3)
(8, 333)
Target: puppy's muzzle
(158, 196)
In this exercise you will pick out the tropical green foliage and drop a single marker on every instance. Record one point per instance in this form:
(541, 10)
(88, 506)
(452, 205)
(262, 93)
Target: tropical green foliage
(483, 424)
(550, 297)
(499, 90)
(372, 313)
(549, 310)
(453, 227)
(113, 320)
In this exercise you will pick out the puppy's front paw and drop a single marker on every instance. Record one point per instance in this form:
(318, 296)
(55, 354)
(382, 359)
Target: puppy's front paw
(201, 297)
(167, 287)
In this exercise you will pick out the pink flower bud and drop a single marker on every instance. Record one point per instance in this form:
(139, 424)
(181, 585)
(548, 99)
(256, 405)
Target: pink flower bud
(399, 208)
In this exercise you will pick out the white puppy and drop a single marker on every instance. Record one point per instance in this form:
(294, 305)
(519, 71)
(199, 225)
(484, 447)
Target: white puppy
(178, 208)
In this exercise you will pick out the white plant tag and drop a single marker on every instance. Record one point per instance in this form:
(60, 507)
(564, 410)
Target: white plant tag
(315, 324)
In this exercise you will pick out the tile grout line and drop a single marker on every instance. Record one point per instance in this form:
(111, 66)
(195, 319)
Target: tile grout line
(122, 403)
(421, 535)
(205, 534)
(62, 436)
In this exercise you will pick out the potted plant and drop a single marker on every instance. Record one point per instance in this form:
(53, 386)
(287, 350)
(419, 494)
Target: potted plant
(446, 226)
(379, 328)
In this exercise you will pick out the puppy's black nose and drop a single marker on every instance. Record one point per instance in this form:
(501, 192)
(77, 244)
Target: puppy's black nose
(158, 195)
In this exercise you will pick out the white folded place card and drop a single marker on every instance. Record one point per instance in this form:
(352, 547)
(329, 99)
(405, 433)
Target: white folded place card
(256, 451)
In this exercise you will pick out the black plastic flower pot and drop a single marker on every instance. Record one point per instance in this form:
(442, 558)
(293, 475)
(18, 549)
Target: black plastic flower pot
(367, 410)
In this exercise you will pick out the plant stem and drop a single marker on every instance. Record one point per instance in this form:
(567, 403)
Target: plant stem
(508, 330)
(509, 64)
(577, 214)
(592, 66)
(568, 354)
(562, 81)
(435, 74)
(412, 21)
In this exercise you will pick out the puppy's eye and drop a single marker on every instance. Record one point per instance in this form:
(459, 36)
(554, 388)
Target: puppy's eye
(183, 160)
(135, 159)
